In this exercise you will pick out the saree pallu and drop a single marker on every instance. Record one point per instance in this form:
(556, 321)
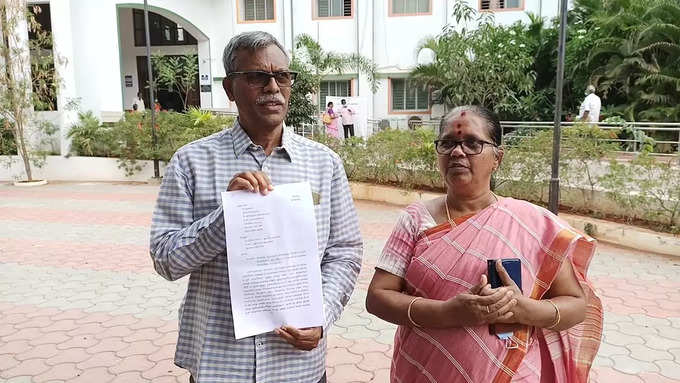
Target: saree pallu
(449, 260)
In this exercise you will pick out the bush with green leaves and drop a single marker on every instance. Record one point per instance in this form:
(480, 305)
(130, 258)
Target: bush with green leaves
(89, 138)
(395, 157)
(133, 139)
(8, 146)
(525, 170)
(584, 150)
(130, 139)
(647, 188)
(407, 159)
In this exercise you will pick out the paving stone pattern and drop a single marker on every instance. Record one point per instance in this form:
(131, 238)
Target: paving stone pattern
(80, 301)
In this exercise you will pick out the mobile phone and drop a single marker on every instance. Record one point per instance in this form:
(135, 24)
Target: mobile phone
(512, 265)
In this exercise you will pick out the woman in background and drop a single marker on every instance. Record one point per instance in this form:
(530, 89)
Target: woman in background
(330, 119)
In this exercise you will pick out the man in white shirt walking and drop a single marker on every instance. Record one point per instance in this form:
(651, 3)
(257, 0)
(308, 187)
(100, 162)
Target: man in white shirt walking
(590, 107)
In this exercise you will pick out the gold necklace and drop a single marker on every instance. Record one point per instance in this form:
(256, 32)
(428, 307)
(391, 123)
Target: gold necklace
(446, 203)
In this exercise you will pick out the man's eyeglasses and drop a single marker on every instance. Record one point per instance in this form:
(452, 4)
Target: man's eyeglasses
(260, 79)
(469, 147)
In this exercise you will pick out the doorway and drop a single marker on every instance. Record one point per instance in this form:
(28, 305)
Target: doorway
(168, 98)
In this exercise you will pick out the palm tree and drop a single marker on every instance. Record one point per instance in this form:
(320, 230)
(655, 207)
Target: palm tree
(637, 61)
(321, 62)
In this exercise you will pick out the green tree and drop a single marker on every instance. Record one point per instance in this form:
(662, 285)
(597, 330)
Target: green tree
(321, 62)
(177, 73)
(635, 61)
(487, 65)
(301, 109)
(21, 92)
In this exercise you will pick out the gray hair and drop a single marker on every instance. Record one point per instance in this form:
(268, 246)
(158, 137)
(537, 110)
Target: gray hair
(250, 41)
(590, 89)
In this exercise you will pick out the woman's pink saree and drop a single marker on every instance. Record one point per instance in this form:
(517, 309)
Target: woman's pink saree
(448, 261)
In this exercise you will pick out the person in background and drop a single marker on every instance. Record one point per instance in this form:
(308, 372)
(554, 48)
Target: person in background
(431, 278)
(590, 107)
(347, 119)
(138, 103)
(330, 119)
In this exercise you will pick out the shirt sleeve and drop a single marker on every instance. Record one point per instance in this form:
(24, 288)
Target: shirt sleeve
(341, 261)
(180, 244)
(589, 104)
(398, 251)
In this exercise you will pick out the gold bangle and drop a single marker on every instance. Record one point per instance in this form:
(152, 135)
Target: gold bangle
(557, 315)
(408, 312)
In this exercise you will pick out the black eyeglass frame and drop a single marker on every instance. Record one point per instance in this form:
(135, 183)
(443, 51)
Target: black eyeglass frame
(270, 76)
(457, 143)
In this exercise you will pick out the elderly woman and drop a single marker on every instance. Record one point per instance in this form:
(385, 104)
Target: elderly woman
(431, 277)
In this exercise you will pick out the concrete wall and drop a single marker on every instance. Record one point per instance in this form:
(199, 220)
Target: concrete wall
(58, 168)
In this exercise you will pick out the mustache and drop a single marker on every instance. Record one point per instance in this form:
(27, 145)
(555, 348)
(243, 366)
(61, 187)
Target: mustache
(269, 98)
(452, 164)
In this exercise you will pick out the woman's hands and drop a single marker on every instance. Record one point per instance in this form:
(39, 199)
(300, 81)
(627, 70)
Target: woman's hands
(480, 305)
(565, 291)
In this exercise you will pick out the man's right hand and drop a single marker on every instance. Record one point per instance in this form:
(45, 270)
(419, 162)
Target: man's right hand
(251, 181)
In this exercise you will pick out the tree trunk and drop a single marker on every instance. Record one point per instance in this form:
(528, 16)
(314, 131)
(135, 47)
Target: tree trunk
(16, 106)
(22, 150)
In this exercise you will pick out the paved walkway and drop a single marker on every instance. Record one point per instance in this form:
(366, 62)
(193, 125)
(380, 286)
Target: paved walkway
(80, 301)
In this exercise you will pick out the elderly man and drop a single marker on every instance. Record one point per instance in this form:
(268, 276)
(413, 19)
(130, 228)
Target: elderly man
(188, 237)
(590, 107)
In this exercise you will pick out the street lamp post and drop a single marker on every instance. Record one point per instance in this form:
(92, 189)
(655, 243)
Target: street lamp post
(152, 104)
(554, 199)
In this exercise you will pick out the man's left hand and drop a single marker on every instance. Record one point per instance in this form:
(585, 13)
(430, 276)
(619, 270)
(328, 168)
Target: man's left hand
(303, 339)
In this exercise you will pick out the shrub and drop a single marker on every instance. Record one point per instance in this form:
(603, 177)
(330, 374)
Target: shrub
(583, 152)
(89, 137)
(525, 170)
(130, 139)
(133, 139)
(8, 146)
(391, 156)
(407, 159)
(647, 188)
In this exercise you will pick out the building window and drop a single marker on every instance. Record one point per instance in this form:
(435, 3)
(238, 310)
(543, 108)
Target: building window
(492, 5)
(333, 8)
(256, 10)
(410, 7)
(407, 96)
(336, 88)
(162, 31)
(43, 71)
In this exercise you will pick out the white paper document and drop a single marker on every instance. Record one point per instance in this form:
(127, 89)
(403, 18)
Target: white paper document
(273, 255)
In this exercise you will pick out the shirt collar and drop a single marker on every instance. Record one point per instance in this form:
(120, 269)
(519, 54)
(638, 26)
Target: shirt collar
(242, 141)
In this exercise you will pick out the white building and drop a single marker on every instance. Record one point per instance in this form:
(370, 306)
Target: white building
(103, 43)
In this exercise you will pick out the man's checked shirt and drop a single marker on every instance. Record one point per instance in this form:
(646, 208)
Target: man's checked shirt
(187, 237)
